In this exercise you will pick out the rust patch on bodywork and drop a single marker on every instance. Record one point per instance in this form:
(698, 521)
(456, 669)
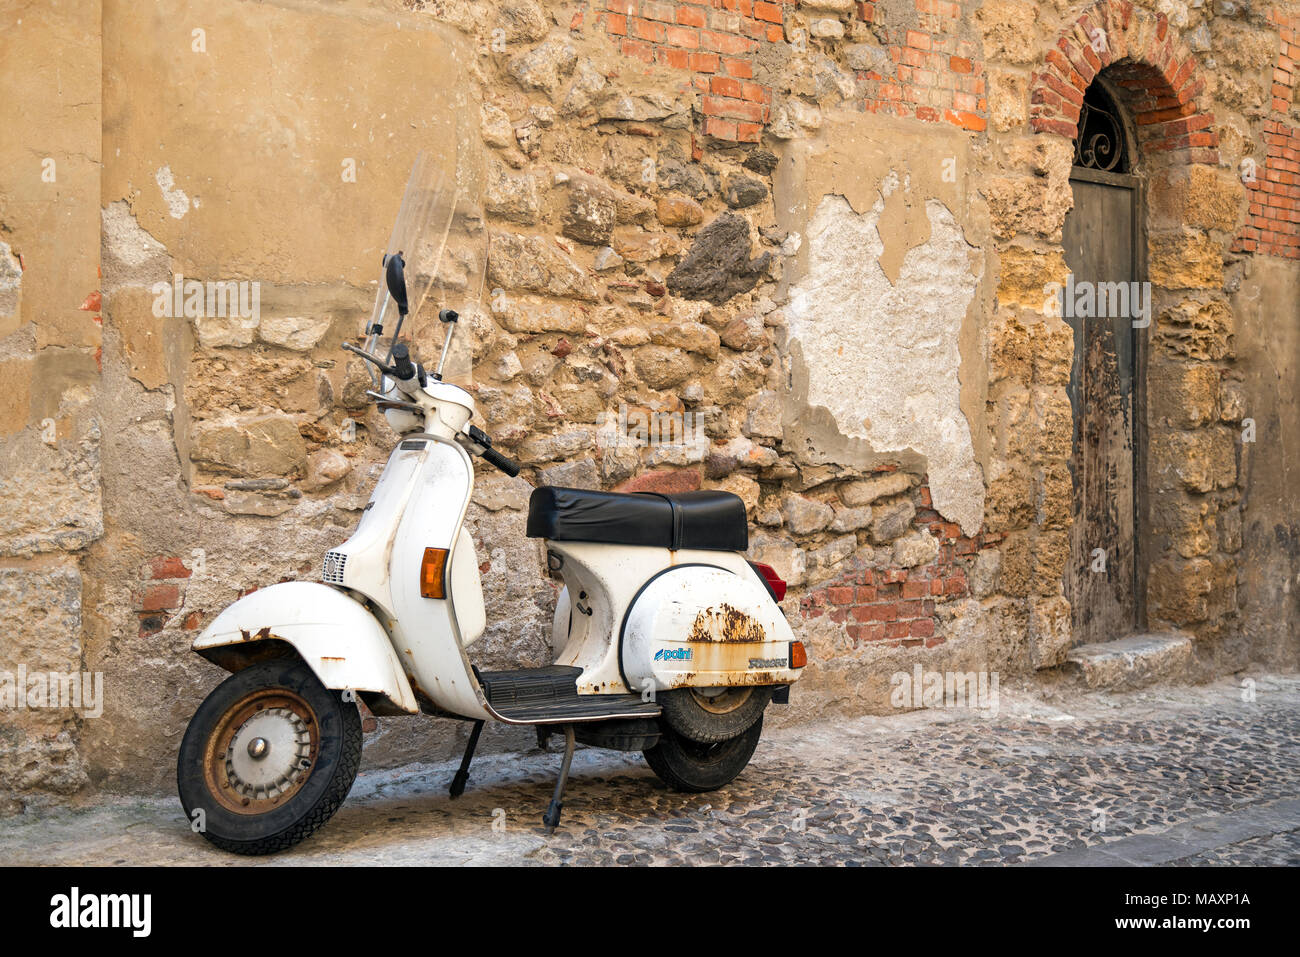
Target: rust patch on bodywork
(726, 623)
(734, 663)
(423, 699)
(262, 634)
(237, 657)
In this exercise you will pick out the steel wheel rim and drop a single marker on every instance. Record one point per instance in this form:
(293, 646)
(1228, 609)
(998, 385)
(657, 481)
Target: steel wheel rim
(724, 700)
(248, 778)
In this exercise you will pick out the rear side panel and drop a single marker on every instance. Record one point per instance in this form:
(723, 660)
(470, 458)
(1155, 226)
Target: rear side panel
(607, 597)
(705, 627)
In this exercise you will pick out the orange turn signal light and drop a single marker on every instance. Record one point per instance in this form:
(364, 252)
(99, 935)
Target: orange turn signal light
(432, 573)
(798, 656)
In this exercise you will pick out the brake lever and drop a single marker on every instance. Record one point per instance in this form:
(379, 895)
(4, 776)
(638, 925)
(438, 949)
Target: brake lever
(385, 403)
(386, 370)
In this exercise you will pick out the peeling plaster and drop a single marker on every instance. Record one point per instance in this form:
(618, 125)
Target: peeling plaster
(883, 358)
(178, 203)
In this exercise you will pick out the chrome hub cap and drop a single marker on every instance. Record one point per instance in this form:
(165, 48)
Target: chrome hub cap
(268, 755)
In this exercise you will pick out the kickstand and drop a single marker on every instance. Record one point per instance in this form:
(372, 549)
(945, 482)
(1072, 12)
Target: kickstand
(552, 816)
(458, 782)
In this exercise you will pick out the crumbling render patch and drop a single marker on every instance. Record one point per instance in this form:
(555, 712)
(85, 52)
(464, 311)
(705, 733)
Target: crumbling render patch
(50, 495)
(126, 243)
(11, 279)
(883, 357)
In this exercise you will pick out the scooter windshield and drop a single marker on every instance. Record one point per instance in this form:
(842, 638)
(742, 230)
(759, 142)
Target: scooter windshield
(441, 236)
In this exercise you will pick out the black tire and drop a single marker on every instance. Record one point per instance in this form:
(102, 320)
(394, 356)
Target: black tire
(693, 716)
(327, 734)
(693, 766)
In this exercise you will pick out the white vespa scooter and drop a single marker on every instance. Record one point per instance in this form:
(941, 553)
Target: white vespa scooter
(670, 642)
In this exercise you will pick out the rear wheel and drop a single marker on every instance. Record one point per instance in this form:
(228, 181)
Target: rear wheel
(268, 758)
(713, 714)
(694, 766)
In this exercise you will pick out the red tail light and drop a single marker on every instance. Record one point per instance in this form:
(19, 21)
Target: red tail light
(774, 583)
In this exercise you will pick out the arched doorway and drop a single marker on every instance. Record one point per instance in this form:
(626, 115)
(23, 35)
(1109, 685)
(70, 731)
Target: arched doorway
(1105, 302)
(1182, 413)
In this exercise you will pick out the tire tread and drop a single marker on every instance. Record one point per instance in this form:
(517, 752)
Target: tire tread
(674, 766)
(245, 834)
(344, 775)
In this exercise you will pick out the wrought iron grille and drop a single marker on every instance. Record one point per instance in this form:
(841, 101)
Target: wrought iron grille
(1100, 144)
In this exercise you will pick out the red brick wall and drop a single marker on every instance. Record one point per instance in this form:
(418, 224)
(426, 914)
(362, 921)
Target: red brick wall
(1273, 224)
(896, 606)
(715, 40)
(161, 595)
(935, 74)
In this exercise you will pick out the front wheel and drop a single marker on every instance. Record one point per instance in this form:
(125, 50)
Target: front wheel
(268, 758)
(694, 766)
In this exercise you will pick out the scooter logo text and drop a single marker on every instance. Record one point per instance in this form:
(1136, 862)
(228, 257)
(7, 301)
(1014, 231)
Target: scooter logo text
(673, 654)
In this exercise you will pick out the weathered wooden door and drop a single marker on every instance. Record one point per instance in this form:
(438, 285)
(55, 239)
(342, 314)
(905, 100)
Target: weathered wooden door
(1101, 246)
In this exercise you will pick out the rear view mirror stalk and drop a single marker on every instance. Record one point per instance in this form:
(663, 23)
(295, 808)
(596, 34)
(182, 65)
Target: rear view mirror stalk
(448, 316)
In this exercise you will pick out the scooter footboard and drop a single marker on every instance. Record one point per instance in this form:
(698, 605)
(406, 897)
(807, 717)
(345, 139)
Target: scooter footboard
(697, 627)
(337, 637)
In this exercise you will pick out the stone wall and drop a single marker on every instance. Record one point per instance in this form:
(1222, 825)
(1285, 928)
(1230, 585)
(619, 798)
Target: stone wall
(51, 439)
(823, 227)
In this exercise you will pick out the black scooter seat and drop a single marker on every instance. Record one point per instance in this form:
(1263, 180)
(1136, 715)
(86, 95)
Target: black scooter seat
(707, 520)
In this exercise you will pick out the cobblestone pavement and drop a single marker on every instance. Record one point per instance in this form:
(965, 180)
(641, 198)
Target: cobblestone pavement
(1188, 775)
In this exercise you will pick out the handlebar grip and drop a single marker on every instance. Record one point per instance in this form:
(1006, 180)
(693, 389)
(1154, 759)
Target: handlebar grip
(507, 465)
(402, 364)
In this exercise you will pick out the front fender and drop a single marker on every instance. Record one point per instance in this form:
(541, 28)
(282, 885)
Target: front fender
(336, 636)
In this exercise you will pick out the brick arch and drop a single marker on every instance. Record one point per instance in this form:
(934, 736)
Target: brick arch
(1146, 58)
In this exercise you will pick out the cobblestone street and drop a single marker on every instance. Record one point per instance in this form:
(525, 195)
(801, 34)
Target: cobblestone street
(1185, 775)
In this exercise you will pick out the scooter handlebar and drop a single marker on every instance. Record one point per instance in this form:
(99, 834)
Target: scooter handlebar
(403, 367)
(507, 465)
(481, 439)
